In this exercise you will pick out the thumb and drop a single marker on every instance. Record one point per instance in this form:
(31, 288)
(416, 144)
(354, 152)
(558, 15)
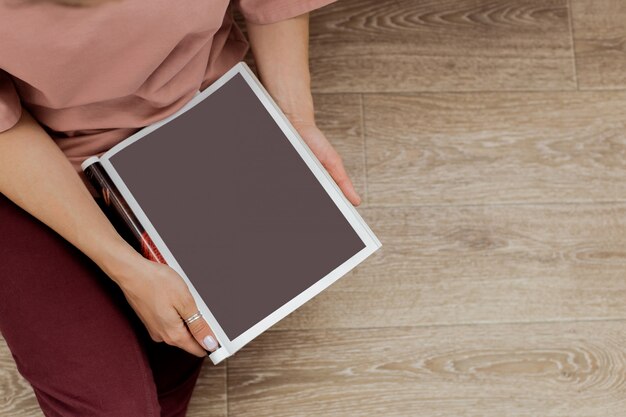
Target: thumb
(337, 170)
(200, 330)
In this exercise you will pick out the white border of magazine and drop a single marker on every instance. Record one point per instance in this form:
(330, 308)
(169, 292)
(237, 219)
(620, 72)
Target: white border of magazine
(229, 347)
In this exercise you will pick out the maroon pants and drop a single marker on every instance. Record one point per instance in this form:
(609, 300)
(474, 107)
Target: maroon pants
(73, 335)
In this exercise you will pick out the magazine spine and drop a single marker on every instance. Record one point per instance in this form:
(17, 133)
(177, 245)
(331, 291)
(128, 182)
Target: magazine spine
(115, 202)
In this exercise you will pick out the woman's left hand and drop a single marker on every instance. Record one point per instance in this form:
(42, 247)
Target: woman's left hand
(281, 55)
(329, 158)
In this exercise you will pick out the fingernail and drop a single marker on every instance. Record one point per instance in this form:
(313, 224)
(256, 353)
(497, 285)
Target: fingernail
(210, 343)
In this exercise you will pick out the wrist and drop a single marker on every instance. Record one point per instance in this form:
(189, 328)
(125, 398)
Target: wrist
(297, 107)
(294, 98)
(299, 118)
(116, 258)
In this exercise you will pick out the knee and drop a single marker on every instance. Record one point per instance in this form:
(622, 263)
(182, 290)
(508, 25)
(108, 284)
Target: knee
(106, 382)
(129, 394)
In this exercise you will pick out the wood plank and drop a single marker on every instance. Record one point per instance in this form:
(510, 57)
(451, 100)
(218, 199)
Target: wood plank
(485, 148)
(524, 370)
(435, 45)
(600, 43)
(460, 265)
(17, 398)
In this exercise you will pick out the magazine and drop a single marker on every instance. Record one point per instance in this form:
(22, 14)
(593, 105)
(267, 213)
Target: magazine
(227, 193)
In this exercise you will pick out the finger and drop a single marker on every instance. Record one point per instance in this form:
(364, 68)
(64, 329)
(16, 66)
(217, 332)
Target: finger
(203, 334)
(180, 337)
(198, 328)
(336, 169)
(155, 337)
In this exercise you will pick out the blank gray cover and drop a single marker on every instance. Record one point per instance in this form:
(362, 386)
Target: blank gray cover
(237, 206)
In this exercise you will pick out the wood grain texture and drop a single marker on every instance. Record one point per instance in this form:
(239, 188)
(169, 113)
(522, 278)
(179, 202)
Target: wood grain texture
(524, 370)
(434, 45)
(17, 398)
(485, 148)
(209, 395)
(599, 28)
(456, 265)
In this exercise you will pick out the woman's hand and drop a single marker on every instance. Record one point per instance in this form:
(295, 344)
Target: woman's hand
(162, 300)
(328, 156)
(281, 52)
(38, 177)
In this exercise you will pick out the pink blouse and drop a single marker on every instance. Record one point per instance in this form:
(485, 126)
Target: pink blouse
(92, 76)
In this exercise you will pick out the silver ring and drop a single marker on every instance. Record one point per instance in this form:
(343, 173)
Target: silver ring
(193, 318)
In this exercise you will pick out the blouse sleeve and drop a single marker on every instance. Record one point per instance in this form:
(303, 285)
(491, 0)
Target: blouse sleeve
(10, 106)
(271, 11)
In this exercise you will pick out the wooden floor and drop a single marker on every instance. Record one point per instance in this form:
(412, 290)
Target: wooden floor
(489, 140)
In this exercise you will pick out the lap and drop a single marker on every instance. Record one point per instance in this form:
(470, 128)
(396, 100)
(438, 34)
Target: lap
(70, 330)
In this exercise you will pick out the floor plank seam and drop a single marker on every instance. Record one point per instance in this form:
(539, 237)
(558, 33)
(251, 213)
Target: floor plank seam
(460, 324)
(364, 138)
(601, 89)
(410, 93)
(227, 404)
(519, 204)
(570, 13)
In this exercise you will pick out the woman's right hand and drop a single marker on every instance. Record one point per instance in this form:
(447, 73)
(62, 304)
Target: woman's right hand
(39, 178)
(161, 299)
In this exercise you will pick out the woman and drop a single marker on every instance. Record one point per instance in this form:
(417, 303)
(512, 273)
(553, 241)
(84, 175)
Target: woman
(97, 329)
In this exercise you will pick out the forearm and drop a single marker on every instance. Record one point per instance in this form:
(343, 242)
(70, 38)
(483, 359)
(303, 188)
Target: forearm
(281, 53)
(36, 176)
